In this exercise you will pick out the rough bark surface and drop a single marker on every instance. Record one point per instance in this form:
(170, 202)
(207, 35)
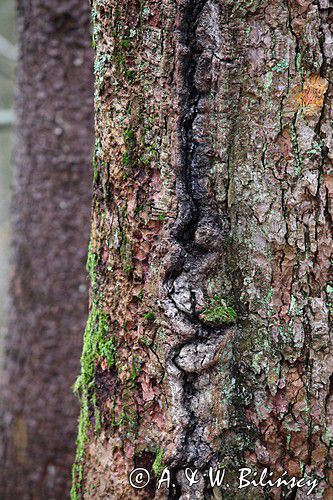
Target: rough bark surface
(208, 341)
(51, 204)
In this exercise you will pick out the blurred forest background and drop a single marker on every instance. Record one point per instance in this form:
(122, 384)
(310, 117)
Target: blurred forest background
(46, 201)
(7, 89)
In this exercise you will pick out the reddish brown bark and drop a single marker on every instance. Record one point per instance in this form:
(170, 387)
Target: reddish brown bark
(209, 334)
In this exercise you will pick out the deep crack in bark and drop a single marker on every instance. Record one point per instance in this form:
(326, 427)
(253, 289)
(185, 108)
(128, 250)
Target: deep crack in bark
(199, 233)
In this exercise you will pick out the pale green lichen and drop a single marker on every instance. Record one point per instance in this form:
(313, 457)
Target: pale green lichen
(281, 66)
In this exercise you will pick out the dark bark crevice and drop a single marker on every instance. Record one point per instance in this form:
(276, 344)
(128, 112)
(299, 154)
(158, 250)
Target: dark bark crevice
(199, 231)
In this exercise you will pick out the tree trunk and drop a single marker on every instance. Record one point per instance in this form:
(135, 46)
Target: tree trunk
(51, 204)
(208, 341)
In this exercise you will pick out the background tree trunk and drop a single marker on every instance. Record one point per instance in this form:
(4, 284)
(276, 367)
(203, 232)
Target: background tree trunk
(51, 204)
(208, 341)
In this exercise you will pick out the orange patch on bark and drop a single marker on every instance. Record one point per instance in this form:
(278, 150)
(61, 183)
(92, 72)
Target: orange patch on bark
(308, 96)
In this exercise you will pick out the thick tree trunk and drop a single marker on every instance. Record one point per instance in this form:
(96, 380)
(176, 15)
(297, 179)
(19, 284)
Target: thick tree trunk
(51, 205)
(208, 341)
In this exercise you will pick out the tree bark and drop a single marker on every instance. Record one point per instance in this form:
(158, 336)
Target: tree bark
(208, 342)
(51, 205)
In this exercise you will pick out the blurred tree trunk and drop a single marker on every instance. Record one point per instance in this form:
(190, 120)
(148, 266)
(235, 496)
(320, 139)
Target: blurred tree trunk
(51, 205)
(208, 340)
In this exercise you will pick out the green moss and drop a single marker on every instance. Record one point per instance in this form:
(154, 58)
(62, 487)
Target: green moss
(128, 268)
(158, 465)
(77, 471)
(136, 370)
(162, 216)
(96, 344)
(122, 50)
(148, 317)
(125, 43)
(218, 313)
(130, 136)
(127, 159)
(130, 155)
